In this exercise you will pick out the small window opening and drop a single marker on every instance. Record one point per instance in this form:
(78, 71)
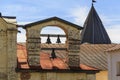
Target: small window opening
(118, 68)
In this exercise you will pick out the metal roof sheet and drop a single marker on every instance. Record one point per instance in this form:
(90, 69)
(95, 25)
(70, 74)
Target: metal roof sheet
(94, 55)
(117, 47)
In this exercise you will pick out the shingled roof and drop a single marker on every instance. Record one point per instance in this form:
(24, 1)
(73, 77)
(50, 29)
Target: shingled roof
(94, 31)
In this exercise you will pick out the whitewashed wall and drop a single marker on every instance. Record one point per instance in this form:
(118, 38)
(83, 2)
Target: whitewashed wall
(113, 58)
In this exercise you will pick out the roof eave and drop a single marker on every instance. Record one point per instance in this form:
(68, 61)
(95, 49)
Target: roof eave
(53, 18)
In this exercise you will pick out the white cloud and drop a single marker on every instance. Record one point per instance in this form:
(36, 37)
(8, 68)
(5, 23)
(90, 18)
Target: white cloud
(112, 26)
(79, 14)
(21, 9)
(21, 37)
(52, 30)
(23, 23)
(114, 32)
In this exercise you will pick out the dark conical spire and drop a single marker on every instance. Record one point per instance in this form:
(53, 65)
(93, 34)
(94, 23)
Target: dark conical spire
(94, 31)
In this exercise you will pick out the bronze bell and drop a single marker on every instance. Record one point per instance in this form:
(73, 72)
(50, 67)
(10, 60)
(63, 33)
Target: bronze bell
(53, 55)
(58, 39)
(48, 40)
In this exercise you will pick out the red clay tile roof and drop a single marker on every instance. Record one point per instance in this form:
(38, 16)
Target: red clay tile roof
(45, 61)
(22, 56)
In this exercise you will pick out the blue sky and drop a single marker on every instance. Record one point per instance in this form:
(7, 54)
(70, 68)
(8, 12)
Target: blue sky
(72, 10)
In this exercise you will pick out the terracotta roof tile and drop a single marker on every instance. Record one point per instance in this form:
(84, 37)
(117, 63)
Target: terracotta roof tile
(85, 67)
(45, 61)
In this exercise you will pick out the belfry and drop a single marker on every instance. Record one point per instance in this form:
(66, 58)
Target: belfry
(82, 56)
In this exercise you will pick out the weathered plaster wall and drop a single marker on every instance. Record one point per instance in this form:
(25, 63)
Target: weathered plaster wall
(102, 75)
(57, 76)
(3, 49)
(8, 33)
(113, 58)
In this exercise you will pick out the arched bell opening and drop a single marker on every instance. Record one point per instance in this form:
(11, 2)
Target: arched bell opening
(53, 35)
(53, 41)
(68, 50)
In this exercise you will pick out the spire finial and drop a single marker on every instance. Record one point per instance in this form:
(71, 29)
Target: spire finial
(93, 1)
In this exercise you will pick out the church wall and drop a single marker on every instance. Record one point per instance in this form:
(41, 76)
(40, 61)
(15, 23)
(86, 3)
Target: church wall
(55, 76)
(113, 68)
(8, 34)
(11, 53)
(3, 49)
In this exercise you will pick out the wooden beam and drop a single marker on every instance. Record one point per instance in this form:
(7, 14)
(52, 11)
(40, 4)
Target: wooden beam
(52, 35)
(54, 48)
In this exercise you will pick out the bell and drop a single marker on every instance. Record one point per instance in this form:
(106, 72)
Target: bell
(58, 39)
(53, 55)
(48, 40)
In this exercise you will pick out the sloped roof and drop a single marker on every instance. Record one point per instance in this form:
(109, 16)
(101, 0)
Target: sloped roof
(53, 18)
(94, 55)
(117, 47)
(45, 61)
(94, 31)
(91, 55)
